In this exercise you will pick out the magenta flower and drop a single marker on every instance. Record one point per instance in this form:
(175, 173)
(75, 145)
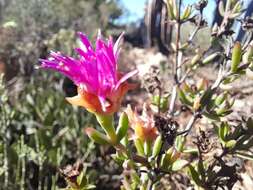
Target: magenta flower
(100, 86)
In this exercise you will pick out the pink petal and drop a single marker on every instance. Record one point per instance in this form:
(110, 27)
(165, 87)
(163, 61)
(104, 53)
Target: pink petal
(85, 41)
(116, 47)
(125, 77)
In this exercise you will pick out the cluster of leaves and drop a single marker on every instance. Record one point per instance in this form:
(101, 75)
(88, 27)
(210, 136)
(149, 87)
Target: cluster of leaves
(36, 143)
(147, 158)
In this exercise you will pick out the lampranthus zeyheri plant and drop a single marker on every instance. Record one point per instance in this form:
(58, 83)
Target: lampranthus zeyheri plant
(159, 145)
(100, 85)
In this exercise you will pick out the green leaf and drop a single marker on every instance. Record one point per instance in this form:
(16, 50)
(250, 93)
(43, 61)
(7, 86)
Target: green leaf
(186, 13)
(9, 24)
(135, 177)
(139, 146)
(201, 169)
(2, 170)
(183, 98)
(223, 131)
(179, 165)
(206, 97)
(148, 148)
(106, 122)
(250, 123)
(81, 180)
(119, 157)
(191, 151)
(221, 8)
(194, 175)
(122, 127)
(242, 140)
(96, 136)
(244, 156)
(236, 133)
(179, 143)
(30, 100)
(220, 99)
(210, 58)
(87, 187)
(248, 145)
(230, 144)
(247, 57)
(157, 146)
(212, 116)
(164, 104)
(170, 10)
(166, 158)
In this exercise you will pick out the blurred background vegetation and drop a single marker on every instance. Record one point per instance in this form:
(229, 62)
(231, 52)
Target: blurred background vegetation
(40, 132)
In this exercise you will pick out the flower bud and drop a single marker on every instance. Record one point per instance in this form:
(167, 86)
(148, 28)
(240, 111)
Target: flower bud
(236, 57)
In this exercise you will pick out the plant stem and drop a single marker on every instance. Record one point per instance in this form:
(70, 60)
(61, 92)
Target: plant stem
(178, 35)
(22, 162)
(40, 161)
(107, 123)
(178, 58)
(150, 184)
(6, 163)
(189, 125)
(22, 184)
(135, 158)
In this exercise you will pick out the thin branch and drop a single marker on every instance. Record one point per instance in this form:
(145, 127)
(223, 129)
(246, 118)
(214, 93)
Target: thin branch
(190, 125)
(178, 58)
